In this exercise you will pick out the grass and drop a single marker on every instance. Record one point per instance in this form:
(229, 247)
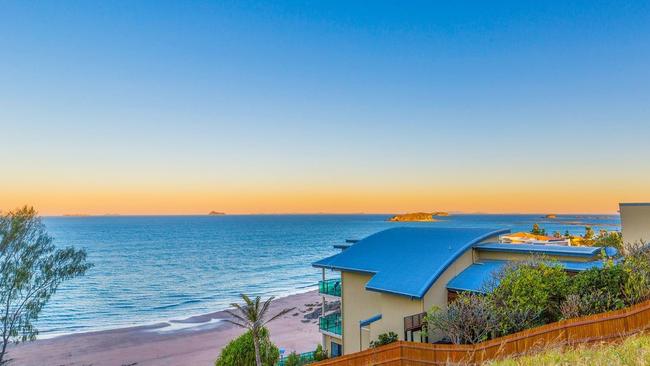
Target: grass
(634, 350)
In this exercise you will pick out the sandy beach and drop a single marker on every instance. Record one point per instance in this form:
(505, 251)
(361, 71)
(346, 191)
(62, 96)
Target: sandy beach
(192, 341)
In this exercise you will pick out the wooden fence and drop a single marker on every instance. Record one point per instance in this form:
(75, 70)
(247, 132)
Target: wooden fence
(604, 327)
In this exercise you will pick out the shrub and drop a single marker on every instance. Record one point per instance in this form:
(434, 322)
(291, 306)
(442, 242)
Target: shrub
(293, 360)
(636, 266)
(587, 304)
(528, 294)
(320, 354)
(384, 339)
(606, 282)
(241, 351)
(572, 307)
(610, 239)
(469, 319)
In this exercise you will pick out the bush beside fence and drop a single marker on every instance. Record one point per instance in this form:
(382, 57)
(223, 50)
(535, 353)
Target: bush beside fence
(604, 327)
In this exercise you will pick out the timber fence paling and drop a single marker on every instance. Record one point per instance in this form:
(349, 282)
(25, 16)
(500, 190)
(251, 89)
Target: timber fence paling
(609, 326)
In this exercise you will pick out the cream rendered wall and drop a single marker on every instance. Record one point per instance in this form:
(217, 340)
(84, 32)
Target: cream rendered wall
(437, 294)
(359, 304)
(356, 304)
(393, 309)
(635, 222)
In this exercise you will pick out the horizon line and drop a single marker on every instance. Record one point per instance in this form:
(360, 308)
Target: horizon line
(451, 213)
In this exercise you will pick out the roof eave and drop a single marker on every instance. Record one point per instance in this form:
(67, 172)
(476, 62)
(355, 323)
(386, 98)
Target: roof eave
(392, 292)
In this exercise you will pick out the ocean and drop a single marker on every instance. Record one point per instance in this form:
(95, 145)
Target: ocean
(151, 269)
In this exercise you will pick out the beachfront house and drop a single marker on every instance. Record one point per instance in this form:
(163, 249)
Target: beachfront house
(387, 281)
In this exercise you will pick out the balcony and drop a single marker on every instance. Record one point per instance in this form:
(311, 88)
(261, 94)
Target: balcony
(330, 323)
(330, 287)
(305, 358)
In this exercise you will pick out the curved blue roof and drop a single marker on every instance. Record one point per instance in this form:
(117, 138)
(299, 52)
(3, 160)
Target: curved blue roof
(474, 277)
(407, 260)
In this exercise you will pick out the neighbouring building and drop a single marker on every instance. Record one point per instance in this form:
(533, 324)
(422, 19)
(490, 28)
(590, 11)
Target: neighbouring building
(528, 238)
(635, 222)
(387, 281)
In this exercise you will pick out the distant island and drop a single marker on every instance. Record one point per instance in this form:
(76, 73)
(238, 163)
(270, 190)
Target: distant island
(551, 216)
(418, 217)
(216, 213)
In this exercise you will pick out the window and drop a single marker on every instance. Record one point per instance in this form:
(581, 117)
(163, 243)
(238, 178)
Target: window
(336, 349)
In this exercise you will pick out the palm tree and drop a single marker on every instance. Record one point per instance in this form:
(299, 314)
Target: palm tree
(252, 316)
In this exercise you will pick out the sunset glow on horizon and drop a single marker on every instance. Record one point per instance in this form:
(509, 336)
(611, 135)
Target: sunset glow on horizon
(246, 107)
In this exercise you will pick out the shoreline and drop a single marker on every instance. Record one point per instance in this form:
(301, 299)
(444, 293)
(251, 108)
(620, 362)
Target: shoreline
(181, 319)
(197, 344)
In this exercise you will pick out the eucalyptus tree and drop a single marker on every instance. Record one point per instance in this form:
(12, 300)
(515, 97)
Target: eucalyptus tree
(252, 315)
(31, 270)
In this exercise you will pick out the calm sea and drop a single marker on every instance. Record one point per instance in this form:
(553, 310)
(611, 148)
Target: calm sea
(151, 269)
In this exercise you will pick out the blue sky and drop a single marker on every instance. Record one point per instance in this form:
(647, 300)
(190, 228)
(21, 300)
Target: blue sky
(324, 106)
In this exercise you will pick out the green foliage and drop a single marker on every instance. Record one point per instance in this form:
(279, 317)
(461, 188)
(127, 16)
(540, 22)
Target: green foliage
(384, 339)
(320, 354)
(610, 239)
(600, 290)
(468, 319)
(636, 266)
(252, 315)
(241, 351)
(31, 270)
(293, 360)
(528, 294)
(588, 239)
(537, 230)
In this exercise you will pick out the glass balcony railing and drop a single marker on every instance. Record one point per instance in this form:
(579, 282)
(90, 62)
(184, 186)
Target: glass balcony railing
(305, 358)
(330, 287)
(330, 323)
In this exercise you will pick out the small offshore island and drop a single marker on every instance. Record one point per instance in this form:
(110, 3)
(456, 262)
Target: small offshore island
(418, 217)
(216, 213)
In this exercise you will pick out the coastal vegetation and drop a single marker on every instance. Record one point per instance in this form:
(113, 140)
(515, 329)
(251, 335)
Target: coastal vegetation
(417, 217)
(384, 339)
(302, 359)
(293, 360)
(537, 230)
(252, 315)
(31, 271)
(242, 350)
(538, 291)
